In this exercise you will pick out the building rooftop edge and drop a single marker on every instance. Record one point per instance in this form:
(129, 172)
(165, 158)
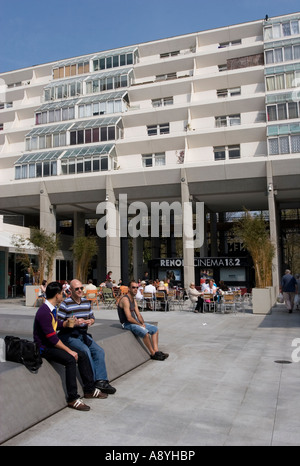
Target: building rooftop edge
(142, 43)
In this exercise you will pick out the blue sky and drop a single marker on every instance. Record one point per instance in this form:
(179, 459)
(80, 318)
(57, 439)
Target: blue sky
(33, 32)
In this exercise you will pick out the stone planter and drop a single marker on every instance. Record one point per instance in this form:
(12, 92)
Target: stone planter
(30, 295)
(262, 300)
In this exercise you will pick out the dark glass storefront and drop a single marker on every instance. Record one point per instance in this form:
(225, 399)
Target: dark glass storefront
(234, 271)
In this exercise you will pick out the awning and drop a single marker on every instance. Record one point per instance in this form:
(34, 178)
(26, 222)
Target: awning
(57, 105)
(109, 74)
(103, 97)
(49, 129)
(7, 241)
(60, 82)
(107, 121)
(115, 52)
(39, 157)
(90, 151)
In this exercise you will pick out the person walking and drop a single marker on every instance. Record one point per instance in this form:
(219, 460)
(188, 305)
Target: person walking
(289, 289)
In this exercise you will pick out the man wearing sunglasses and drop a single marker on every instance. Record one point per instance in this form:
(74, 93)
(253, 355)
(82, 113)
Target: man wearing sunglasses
(131, 319)
(79, 308)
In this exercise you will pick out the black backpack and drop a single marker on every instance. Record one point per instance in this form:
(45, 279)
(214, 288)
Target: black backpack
(24, 352)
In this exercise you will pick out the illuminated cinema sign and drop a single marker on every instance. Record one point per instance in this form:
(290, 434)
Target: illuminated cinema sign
(207, 262)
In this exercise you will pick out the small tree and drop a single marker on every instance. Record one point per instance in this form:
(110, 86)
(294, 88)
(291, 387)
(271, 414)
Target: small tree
(253, 233)
(45, 246)
(84, 249)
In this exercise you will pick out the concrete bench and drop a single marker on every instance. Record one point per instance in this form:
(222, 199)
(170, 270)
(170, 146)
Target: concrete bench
(26, 398)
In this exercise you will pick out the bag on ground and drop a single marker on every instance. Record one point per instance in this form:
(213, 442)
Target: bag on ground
(23, 352)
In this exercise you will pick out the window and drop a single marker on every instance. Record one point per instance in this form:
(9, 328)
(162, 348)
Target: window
(90, 135)
(114, 61)
(222, 92)
(65, 71)
(283, 81)
(283, 111)
(228, 44)
(162, 102)
(234, 152)
(41, 141)
(164, 128)
(278, 55)
(234, 91)
(170, 54)
(222, 67)
(285, 29)
(49, 116)
(271, 112)
(289, 144)
(101, 108)
(59, 91)
(36, 170)
(220, 152)
(164, 77)
(107, 83)
(295, 143)
(5, 105)
(224, 152)
(154, 130)
(153, 160)
(230, 120)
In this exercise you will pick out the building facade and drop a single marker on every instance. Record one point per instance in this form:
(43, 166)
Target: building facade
(208, 119)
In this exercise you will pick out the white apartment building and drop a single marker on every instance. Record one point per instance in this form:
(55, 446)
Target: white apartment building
(208, 118)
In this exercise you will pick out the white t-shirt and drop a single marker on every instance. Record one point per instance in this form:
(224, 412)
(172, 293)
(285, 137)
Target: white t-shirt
(150, 289)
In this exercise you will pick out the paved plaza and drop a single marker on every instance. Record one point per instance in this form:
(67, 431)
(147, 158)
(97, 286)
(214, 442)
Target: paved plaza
(221, 385)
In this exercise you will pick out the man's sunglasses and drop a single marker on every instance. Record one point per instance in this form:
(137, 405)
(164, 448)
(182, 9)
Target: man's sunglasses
(79, 288)
(134, 287)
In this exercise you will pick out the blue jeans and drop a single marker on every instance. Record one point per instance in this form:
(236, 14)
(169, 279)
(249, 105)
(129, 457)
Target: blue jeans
(140, 331)
(95, 353)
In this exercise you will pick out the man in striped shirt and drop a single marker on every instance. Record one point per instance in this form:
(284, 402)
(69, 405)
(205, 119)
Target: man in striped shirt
(78, 338)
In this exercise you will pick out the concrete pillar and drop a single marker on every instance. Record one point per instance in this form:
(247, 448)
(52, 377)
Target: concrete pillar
(47, 219)
(47, 211)
(78, 229)
(213, 235)
(78, 223)
(113, 243)
(187, 237)
(274, 224)
(138, 258)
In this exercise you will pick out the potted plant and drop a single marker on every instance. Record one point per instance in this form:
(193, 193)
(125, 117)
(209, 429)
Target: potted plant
(252, 231)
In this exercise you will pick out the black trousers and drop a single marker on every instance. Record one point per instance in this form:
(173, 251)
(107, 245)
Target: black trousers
(199, 304)
(67, 360)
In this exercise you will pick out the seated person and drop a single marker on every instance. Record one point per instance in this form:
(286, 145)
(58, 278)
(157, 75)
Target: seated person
(139, 296)
(195, 297)
(162, 288)
(131, 319)
(150, 288)
(78, 337)
(91, 287)
(53, 349)
(43, 289)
